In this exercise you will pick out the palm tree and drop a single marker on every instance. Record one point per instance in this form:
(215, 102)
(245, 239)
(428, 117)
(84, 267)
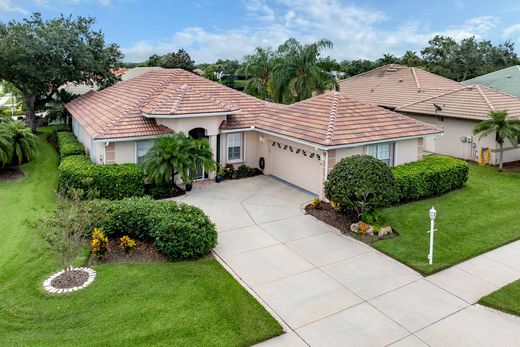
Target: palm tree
(176, 155)
(55, 110)
(23, 141)
(503, 127)
(297, 73)
(6, 146)
(258, 69)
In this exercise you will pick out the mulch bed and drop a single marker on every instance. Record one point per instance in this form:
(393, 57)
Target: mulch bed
(74, 278)
(143, 252)
(512, 166)
(342, 222)
(11, 173)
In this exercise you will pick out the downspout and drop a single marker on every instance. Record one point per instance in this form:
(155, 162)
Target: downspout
(326, 165)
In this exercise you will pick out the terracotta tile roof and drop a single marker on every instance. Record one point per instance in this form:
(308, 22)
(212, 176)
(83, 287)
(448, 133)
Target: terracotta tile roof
(329, 119)
(396, 85)
(185, 100)
(116, 112)
(467, 102)
(334, 119)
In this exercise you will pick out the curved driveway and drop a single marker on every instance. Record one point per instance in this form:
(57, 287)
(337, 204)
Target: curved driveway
(327, 289)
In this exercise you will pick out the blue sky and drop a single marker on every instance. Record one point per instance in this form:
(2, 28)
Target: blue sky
(209, 30)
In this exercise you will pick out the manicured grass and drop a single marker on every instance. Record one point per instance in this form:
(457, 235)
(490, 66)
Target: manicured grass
(506, 299)
(475, 219)
(193, 303)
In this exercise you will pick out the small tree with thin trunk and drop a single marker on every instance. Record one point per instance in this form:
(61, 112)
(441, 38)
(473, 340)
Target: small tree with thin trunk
(67, 229)
(503, 127)
(38, 56)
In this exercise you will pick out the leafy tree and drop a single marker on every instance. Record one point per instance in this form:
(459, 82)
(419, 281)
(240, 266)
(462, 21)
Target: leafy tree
(23, 141)
(176, 155)
(258, 68)
(329, 64)
(179, 60)
(410, 58)
(297, 75)
(503, 127)
(154, 60)
(38, 56)
(387, 59)
(355, 67)
(56, 108)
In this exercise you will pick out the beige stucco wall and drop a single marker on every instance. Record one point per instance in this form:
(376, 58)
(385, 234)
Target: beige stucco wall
(406, 151)
(211, 124)
(450, 142)
(95, 150)
(125, 152)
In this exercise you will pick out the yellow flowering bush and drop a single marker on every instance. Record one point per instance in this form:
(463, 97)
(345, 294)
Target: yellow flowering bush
(99, 243)
(335, 206)
(315, 203)
(127, 243)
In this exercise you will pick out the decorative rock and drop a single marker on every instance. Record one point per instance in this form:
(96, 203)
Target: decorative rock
(370, 231)
(385, 231)
(354, 227)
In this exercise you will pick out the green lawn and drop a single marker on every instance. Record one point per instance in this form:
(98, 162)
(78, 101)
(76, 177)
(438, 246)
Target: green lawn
(470, 221)
(175, 304)
(506, 299)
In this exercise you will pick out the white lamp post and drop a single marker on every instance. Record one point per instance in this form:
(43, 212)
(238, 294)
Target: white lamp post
(433, 214)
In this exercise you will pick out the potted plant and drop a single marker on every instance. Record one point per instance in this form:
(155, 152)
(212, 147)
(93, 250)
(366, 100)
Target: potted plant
(220, 174)
(188, 184)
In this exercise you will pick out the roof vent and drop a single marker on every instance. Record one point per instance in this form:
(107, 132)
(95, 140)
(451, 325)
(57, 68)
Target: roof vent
(391, 69)
(508, 76)
(372, 89)
(400, 80)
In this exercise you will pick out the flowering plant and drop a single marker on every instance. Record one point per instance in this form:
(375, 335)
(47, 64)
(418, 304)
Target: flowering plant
(99, 243)
(127, 243)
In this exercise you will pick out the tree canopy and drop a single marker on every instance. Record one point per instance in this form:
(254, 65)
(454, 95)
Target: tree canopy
(174, 60)
(38, 56)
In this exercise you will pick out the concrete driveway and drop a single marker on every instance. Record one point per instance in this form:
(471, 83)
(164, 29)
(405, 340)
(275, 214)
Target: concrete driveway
(328, 289)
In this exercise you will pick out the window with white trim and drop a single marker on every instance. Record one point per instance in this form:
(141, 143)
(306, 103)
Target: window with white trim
(382, 152)
(143, 146)
(234, 146)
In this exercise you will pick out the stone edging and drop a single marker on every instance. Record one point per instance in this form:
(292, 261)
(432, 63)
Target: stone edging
(51, 289)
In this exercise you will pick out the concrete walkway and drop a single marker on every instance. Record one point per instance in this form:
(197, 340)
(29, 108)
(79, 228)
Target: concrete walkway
(327, 289)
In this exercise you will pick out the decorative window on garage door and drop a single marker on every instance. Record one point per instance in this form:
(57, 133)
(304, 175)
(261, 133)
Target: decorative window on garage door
(295, 150)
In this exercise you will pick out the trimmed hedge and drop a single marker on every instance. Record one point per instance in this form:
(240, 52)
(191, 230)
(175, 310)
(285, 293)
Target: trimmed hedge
(178, 230)
(432, 176)
(361, 183)
(68, 144)
(107, 181)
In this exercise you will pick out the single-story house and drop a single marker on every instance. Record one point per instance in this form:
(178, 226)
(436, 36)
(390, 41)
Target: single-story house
(506, 80)
(299, 143)
(452, 106)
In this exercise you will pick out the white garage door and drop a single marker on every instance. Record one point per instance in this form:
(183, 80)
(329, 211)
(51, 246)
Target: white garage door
(296, 164)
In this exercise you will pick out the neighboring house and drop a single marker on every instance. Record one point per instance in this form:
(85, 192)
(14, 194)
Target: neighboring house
(299, 143)
(506, 80)
(125, 73)
(427, 97)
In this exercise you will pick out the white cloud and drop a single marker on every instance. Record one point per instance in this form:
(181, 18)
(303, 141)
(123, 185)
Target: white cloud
(513, 29)
(354, 30)
(10, 6)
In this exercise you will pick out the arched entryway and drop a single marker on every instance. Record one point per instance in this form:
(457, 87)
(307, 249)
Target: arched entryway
(200, 173)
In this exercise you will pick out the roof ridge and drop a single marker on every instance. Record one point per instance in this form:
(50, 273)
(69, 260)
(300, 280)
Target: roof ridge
(416, 78)
(332, 119)
(484, 96)
(395, 66)
(432, 97)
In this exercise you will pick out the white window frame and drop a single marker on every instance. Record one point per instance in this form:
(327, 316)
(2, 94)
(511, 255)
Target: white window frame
(377, 151)
(137, 149)
(235, 136)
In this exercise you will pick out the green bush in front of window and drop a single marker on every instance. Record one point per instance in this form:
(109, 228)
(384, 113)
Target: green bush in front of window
(68, 144)
(112, 182)
(178, 230)
(361, 183)
(432, 176)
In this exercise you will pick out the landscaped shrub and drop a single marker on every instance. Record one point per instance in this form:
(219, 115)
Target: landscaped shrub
(104, 181)
(432, 176)
(179, 231)
(361, 183)
(68, 144)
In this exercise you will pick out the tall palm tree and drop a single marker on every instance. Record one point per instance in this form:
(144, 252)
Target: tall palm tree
(24, 142)
(258, 69)
(297, 74)
(503, 127)
(176, 155)
(55, 110)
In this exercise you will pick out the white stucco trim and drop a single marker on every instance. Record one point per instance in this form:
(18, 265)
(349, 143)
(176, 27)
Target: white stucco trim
(124, 139)
(189, 115)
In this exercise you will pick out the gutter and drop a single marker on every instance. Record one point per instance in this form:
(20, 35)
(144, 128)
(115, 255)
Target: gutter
(189, 115)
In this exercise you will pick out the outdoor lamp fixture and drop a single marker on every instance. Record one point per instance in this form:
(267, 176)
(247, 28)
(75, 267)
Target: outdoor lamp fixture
(433, 214)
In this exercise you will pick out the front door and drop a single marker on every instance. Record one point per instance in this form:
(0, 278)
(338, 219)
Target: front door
(199, 173)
